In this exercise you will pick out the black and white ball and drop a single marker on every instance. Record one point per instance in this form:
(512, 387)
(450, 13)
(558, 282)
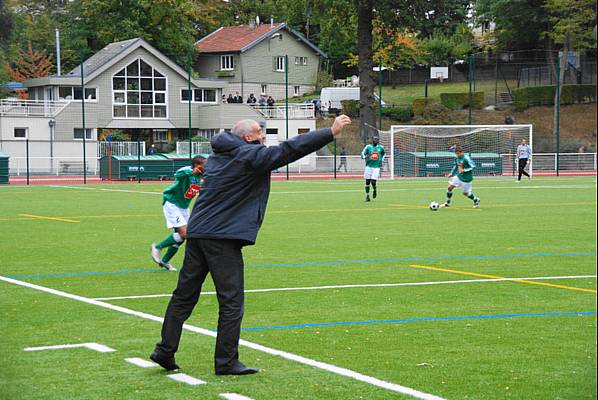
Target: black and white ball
(434, 206)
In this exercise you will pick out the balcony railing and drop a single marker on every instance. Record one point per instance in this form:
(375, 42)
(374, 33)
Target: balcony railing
(296, 111)
(31, 108)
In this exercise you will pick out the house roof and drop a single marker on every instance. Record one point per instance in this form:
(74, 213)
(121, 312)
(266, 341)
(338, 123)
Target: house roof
(111, 54)
(230, 39)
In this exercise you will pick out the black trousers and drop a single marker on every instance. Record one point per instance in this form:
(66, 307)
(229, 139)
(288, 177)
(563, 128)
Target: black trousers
(224, 261)
(522, 164)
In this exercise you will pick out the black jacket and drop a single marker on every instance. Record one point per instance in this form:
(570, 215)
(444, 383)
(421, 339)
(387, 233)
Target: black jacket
(236, 185)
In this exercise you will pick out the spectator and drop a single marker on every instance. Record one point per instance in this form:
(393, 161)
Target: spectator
(251, 99)
(343, 163)
(270, 102)
(509, 120)
(230, 99)
(238, 98)
(152, 150)
(262, 101)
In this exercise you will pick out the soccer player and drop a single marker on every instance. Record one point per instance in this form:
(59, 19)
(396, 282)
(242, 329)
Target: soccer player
(175, 204)
(373, 154)
(461, 176)
(524, 154)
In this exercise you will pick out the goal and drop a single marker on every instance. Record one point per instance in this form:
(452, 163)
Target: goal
(424, 150)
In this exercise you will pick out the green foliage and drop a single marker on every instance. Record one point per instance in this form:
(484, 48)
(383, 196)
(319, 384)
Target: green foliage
(324, 80)
(420, 104)
(544, 95)
(350, 107)
(199, 138)
(398, 113)
(458, 101)
(433, 113)
(442, 50)
(573, 21)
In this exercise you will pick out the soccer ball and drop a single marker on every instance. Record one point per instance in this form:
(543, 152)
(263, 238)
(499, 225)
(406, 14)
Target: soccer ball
(434, 206)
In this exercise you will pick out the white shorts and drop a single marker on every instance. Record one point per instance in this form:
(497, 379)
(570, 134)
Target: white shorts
(371, 173)
(464, 186)
(175, 216)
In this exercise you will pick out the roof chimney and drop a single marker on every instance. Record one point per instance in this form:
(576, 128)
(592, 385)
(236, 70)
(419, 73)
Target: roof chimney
(271, 22)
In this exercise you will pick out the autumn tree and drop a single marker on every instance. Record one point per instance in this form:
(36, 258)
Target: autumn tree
(30, 64)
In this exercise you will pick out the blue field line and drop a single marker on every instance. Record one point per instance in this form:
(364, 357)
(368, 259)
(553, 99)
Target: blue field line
(406, 320)
(90, 273)
(307, 263)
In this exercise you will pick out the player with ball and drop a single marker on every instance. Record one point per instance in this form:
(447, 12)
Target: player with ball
(461, 176)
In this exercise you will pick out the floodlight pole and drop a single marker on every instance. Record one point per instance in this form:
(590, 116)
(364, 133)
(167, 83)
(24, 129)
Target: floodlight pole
(558, 112)
(286, 100)
(470, 99)
(189, 112)
(83, 118)
(380, 95)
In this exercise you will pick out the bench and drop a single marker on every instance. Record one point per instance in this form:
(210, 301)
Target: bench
(72, 167)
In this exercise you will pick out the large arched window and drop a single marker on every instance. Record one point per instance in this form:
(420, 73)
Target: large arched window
(139, 91)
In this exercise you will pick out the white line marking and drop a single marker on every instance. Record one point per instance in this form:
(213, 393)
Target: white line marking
(91, 346)
(189, 380)
(234, 396)
(140, 362)
(289, 356)
(410, 189)
(149, 296)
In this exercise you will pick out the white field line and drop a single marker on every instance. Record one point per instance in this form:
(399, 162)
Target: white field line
(365, 285)
(410, 189)
(184, 378)
(140, 362)
(234, 396)
(289, 356)
(91, 346)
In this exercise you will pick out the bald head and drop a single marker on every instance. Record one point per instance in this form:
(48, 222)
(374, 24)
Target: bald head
(249, 131)
(245, 127)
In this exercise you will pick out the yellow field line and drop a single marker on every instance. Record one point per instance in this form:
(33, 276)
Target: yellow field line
(48, 218)
(502, 277)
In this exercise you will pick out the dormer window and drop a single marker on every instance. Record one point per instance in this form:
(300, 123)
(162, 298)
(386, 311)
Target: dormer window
(139, 91)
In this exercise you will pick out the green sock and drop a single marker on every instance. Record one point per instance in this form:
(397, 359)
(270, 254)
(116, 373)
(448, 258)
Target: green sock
(471, 196)
(367, 189)
(170, 252)
(448, 196)
(169, 241)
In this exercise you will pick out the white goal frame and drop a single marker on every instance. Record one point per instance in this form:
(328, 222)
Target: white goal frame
(472, 128)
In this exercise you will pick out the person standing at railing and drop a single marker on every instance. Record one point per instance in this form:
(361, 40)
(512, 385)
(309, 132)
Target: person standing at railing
(343, 163)
(251, 99)
(270, 102)
(524, 155)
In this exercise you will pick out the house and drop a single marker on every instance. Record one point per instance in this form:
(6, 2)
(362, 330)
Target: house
(128, 86)
(251, 59)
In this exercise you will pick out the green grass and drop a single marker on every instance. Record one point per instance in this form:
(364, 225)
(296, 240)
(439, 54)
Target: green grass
(316, 233)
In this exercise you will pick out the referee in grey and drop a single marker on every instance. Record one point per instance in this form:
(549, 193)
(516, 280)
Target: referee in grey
(524, 155)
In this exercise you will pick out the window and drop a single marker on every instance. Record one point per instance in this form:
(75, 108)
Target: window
(138, 91)
(279, 64)
(208, 133)
(300, 60)
(160, 136)
(78, 133)
(264, 89)
(21, 133)
(74, 93)
(227, 63)
(199, 95)
(296, 90)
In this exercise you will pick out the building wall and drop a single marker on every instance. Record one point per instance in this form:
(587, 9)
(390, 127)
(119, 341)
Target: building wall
(257, 66)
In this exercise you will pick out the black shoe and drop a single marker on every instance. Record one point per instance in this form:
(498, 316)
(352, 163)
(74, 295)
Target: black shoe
(367, 197)
(237, 369)
(165, 362)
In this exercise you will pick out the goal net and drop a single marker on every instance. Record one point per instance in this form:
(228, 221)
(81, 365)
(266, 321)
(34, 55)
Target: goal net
(425, 151)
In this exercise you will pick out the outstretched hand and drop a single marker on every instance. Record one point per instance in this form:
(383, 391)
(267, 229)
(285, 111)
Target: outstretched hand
(339, 123)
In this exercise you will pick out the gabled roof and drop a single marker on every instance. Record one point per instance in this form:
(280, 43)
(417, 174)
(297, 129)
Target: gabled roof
(102, 57)
(232, 39)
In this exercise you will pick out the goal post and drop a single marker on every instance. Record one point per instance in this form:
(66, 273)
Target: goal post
(425, 150)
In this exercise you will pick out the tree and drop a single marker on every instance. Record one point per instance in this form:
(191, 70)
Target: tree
(573, 23)
(366, 73)
(31, 64)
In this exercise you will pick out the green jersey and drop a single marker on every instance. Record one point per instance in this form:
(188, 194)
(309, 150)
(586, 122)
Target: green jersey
(184, 188)
(373, 155)
(467, 164)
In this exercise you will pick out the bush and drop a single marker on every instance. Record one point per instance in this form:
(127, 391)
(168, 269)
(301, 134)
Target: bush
(436, 114)
(420, 104)
(350, 108)
(398, 113)
(458, 101)
(323, 80)
(544, 95)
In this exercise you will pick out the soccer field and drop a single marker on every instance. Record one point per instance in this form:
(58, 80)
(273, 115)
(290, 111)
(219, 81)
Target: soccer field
(344, 299)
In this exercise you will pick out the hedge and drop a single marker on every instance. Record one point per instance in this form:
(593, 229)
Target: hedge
(458, 101)
(544, 95)
(419, 105)
(398, 113)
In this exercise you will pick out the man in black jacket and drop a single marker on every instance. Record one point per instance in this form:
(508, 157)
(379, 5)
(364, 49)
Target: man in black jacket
(227, 215)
